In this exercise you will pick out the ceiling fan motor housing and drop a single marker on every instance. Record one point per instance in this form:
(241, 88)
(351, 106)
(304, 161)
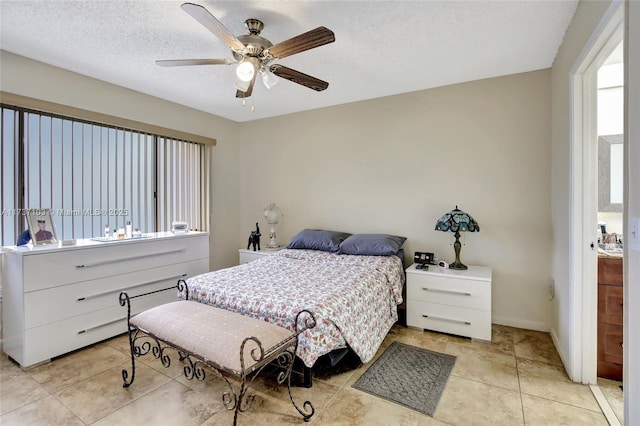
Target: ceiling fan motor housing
(254, 43)
(254, 26)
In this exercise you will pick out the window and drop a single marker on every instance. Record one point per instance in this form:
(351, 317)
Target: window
(91, 176)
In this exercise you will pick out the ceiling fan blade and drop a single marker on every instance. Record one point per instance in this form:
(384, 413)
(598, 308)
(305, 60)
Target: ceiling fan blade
(298, 77)
(247, 94)
(209, 21)
(183, 62)
(314, 38)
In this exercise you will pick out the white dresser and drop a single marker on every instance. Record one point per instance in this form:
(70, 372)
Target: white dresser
(246, 256)
(60, 298)
(450, 301)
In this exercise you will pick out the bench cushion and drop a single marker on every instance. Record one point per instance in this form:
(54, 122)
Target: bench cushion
(212, 333)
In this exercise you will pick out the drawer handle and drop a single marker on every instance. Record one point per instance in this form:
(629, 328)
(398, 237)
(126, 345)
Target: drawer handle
(80, 299)
(447, 319)
(102, 325)
(462, 293)
(144, 256)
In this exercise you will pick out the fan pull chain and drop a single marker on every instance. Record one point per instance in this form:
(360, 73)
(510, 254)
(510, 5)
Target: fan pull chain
(244, 103)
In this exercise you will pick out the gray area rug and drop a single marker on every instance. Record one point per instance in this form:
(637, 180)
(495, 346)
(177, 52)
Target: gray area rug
(408, 375)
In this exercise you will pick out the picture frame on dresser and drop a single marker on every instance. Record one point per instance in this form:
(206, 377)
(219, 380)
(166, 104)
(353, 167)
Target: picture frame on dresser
(41, 227)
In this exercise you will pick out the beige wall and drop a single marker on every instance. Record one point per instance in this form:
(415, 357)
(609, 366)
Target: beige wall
(391, 165)
(396, 164)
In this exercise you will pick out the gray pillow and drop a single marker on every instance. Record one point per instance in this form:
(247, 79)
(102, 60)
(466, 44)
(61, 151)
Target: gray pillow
(372, 244)
(317, 239)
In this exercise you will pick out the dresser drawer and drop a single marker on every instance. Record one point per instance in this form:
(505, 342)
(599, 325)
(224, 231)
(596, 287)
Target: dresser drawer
(449, 319)
(109, 259)
(449, 291)
(610, 304)
(55, 304)
(610, 271)
(47, 341)
(610, 343)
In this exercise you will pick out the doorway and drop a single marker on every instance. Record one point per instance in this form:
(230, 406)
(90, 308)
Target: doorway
(610, 231)
(584, 203)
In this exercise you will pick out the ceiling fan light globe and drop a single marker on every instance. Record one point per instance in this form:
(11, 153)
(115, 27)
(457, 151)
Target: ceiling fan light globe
(241, 85)
(245, 71)
(269, 79)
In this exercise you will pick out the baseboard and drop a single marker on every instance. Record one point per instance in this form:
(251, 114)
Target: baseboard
(563, 356)
(527, 325)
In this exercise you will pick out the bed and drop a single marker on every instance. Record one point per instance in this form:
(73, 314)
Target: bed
(354, 297)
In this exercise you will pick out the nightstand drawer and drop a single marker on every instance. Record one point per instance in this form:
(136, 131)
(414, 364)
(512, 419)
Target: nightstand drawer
(450, 291)
(449, 319)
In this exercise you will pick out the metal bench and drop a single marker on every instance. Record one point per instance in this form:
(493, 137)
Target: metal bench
(224, 341)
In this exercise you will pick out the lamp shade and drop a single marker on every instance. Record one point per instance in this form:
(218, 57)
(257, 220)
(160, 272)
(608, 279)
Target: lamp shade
(272, 213)
(242, 85)
(269, 79)
(457, 221)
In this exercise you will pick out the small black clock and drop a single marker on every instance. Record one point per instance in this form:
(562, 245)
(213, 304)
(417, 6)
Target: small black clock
(423, 258)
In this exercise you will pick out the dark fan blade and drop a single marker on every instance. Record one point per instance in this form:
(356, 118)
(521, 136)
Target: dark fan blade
(246, 94)
(181, 62)
(298, 77)
(209, 21)
(314, 38)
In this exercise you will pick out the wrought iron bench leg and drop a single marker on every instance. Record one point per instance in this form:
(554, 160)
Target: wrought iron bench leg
(124, 300)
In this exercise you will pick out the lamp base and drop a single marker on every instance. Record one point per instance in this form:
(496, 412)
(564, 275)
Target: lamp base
(272, 246)
(456, 247)
(457, 265)
(272, 238)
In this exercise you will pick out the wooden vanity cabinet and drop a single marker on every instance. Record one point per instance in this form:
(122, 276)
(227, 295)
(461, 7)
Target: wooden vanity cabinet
(610, 318)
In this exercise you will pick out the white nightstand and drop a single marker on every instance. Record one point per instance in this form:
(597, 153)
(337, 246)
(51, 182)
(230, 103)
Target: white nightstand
(450, 301)
(250, 255)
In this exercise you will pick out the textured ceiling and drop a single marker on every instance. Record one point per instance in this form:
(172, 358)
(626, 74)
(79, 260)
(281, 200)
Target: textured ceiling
(382, 47)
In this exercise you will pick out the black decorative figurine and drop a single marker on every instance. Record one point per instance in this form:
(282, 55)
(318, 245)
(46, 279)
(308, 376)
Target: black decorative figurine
(254, 238)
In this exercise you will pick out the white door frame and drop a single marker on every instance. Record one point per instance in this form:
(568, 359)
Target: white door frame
(584, 196)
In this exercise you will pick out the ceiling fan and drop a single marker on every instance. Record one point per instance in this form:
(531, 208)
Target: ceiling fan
(254, 53)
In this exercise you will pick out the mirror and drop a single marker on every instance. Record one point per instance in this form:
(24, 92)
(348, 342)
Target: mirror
(610, 163)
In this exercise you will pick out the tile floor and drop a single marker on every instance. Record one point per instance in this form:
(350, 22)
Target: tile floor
(517, 379)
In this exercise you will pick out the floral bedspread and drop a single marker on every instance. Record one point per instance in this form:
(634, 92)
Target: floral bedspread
(353, 298)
